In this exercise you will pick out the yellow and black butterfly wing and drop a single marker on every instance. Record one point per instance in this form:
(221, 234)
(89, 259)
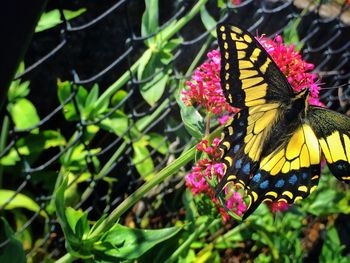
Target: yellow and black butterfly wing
(249, 76)
(291, 171)
(242, 142)
(333, 132)
(251, 81)
(272, 158)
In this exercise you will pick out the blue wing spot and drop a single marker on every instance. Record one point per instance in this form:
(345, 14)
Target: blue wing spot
(279, 183)
(236, 148)
(241, 123)
(257, 177)
(238, 164)
(293, 179)
(246, 168)
(239, 134)
(264, 184)
(304, 175)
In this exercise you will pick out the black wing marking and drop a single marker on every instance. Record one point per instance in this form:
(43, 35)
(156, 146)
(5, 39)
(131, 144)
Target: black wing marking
(249, 76)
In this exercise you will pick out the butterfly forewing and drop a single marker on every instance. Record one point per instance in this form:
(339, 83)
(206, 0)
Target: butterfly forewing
(249, 76)
(250, 81)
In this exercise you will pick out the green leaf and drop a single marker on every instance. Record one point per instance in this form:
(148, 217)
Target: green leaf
(32, 145)
(53, 18)
(208, 21)
(93, 95)
(18, 90)
(150, 18)
(70, 14)
(25, 235)
(153, 90)
(12, 251)
(24, 114)
(117, 123)
(193, 121)
(122, 242)
(144, 61)
(170, 45)
(221, 3)
(332, 248)
(290, 34)
(19, 201)
(142, 159)
(118, 97)
(73, 217)
(75, 159)
(82, 227)
(158, 142)
(61, 215)
(63, 92)
(89, 103)
(81, 97)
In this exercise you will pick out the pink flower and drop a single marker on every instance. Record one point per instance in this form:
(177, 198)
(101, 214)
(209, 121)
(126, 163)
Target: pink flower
(236, 2)
(293, 67)
(205, 89)
(207, 169)
(222, 120)
(235, 203)
(278, 206)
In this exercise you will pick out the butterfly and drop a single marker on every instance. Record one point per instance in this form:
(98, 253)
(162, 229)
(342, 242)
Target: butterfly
(272, 147)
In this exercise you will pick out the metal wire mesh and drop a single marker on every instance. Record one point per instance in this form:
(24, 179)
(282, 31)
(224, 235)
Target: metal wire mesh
(98, 47)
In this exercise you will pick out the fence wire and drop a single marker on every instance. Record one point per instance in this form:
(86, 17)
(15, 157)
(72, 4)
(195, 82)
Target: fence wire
(99, 47)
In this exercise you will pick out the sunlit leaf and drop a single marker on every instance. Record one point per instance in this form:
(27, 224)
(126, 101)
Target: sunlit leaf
(17, 200)
(208, 21)
(52, 18)
(142, 159)
(24, 114)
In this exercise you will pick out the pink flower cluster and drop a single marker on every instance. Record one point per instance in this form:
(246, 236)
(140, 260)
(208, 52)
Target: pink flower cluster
(205, 170)
(293, 67)
(205, 89)
(278, 206)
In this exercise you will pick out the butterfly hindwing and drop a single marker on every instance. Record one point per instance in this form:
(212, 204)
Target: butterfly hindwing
(333, 132)
(249, 76)
(242, 141)
(290, 172)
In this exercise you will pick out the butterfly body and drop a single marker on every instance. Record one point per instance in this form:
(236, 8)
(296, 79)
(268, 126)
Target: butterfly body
(272, 147)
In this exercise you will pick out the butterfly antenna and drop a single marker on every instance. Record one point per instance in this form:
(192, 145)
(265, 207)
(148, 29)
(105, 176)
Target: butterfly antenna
(335, 87)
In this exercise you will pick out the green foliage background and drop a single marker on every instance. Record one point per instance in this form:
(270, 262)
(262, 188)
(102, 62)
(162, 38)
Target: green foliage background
(195, 233)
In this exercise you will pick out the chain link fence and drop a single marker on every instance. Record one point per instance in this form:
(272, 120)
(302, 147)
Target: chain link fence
(102, 155)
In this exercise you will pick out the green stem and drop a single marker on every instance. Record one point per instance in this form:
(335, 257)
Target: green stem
(167, 171)
(207, 128)
(184, 20)
(67, 258)
(136, 196)
(169, 34)
(199, 56)
(139, 193)
(201, 229)
(3, 140)
(141, 126)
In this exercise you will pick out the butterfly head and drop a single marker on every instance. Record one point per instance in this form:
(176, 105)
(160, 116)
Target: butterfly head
(299, 105)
